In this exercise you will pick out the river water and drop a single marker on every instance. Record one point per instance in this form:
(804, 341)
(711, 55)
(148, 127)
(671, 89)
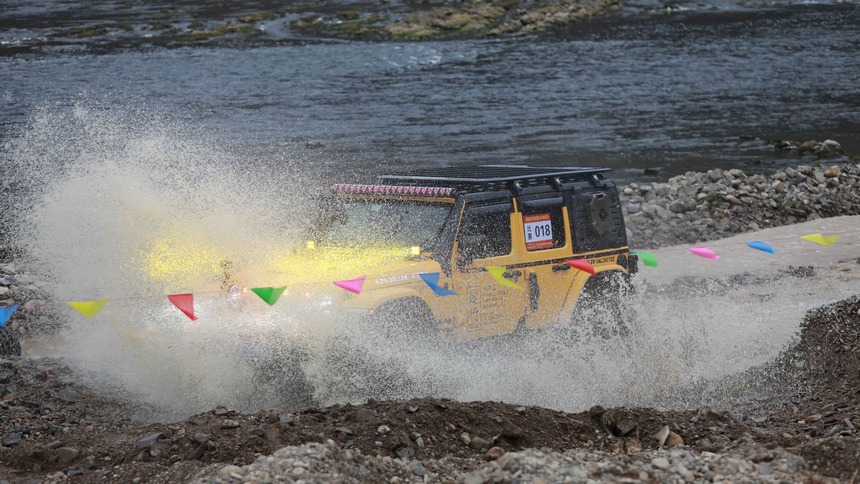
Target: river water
(668, 92)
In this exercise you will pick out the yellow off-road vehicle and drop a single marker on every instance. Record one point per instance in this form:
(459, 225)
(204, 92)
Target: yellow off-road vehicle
(460, 221)
(440, 255)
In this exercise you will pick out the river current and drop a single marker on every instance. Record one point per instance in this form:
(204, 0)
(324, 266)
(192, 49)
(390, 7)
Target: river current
(670, 92)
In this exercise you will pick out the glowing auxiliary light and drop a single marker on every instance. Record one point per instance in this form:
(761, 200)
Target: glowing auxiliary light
(310, 244)
(415, 251)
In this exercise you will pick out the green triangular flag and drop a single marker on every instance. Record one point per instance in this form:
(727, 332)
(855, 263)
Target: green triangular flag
(647, 258)
(269, 294)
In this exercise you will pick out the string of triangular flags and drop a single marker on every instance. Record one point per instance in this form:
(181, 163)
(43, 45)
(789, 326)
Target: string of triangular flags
(650, 260)
(185, 302)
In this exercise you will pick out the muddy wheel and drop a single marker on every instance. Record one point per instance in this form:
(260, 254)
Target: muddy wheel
(407, 320)
(285, 376)
(279, 376)
(376, 359)
(10, 345)
(604, 306)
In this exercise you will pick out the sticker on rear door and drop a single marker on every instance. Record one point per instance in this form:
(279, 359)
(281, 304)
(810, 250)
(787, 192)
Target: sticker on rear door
(538, 228)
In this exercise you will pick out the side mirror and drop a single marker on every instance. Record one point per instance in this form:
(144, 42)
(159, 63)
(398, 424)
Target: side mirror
(471, 247)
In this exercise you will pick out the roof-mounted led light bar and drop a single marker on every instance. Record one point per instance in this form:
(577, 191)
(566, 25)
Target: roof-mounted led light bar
(388, 190)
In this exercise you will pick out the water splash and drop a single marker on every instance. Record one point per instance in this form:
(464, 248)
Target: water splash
(97, 186)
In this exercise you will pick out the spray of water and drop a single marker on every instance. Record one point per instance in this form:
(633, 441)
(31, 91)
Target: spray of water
(96, 187)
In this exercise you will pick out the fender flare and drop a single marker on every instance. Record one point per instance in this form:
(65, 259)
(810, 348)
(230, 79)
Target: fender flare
(578, 285)
(376, 299)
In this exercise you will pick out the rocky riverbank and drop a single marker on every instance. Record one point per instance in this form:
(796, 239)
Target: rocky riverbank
(60, 27)
(124, 25)
(55, 428)
(698, 207)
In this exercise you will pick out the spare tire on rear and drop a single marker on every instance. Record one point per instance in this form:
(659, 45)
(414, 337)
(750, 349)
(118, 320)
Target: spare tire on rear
(10, 345)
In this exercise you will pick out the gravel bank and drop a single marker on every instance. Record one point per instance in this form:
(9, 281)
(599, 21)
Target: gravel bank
(328, 463)
(698, 207)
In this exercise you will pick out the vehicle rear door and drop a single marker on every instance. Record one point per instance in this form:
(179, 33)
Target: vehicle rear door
(484, 239)
(545, 242)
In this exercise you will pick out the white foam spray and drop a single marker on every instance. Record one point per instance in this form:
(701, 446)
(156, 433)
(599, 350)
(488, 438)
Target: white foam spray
(96, 186)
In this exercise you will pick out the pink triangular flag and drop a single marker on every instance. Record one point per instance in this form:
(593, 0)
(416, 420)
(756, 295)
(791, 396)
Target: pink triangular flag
(352, 285)
(704, 252)
(185, 303)
(581, 264)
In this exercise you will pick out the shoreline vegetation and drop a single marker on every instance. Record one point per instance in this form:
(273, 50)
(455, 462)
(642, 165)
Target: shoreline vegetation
(155, 24)
(397, 20)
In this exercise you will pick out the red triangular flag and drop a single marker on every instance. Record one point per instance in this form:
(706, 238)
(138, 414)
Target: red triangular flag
(185, 303)
(582, 265)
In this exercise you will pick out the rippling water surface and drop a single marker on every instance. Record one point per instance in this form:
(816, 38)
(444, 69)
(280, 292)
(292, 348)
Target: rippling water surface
(672, 93)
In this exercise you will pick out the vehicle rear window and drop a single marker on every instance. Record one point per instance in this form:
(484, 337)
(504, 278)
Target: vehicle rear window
(543, 223)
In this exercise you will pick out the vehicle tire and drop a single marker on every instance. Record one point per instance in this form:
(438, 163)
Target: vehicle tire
(406, 320)
(279, 377)
(604, 306)
(376, 361)
(10, 344)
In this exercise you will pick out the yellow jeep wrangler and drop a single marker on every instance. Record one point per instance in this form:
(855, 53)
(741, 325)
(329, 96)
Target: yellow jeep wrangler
(458, 222)
(457, 253)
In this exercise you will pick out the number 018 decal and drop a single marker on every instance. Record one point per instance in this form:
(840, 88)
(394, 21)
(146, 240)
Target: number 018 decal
(538, 230)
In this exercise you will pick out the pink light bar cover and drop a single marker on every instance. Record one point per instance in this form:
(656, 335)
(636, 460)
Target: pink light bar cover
(393, 190)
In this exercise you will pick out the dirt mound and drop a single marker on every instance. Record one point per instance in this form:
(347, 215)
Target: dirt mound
(830, 347)
(826, 361)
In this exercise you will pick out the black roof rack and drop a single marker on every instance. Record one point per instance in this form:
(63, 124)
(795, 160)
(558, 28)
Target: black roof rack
(476, 178)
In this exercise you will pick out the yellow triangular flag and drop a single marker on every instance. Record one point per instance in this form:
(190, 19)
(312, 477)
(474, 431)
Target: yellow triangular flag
(498, 274)
(88, 308)
(821, 239)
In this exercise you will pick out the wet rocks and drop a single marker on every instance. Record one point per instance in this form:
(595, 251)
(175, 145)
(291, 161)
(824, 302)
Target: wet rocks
(12, 439)
(479, 444)
(66, 455)
(327, 463)
(697, 207)
(230, 424)
(494, 453)
(148, 441)
(364, 415)
(821, 149)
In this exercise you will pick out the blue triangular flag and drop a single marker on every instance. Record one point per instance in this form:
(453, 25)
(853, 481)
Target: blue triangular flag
(6, 313)
(432, 280)
(762, 246)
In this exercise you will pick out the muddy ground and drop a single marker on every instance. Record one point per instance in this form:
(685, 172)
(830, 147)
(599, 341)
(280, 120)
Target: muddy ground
(54, 428)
